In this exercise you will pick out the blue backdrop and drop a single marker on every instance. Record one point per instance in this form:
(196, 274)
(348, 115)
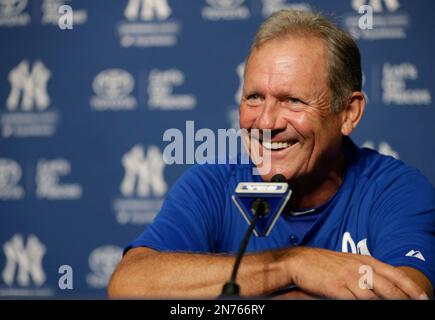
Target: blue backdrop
(83, 112)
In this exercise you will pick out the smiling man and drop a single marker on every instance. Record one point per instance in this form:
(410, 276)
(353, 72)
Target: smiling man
(350, 207)
(286, 89)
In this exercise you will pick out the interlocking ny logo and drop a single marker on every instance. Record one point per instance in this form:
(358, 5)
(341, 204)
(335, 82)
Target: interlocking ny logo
(348, 245)
(30, 85)
(24, 261)
(147, 9)
(391, 5)
(143, 174)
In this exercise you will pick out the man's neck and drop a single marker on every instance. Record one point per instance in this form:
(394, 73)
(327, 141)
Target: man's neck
(317, 190)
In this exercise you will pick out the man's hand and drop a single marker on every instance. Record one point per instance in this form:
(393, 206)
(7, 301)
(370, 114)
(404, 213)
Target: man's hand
(295, 295)
(330, 274)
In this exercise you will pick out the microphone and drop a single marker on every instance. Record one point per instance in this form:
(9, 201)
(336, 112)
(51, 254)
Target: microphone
(260, 203)
(278, 178)
(272, 195)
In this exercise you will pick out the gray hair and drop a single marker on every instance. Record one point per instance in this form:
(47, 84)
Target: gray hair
(343, 56)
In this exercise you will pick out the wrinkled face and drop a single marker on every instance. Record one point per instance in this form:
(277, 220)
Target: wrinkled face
(286, 90)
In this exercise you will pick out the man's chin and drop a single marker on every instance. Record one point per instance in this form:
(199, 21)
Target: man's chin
(267, 175)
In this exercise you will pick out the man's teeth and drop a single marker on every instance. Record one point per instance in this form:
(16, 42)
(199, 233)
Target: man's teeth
(276, 145)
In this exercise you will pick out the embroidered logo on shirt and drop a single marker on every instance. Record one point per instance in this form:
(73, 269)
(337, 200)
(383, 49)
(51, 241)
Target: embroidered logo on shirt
(416, 254)
(348, 245)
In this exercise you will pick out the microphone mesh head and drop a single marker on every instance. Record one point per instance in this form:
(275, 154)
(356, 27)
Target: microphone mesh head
(279, 178)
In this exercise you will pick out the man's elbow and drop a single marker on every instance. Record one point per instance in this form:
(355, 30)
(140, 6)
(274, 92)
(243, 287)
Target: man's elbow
(130, 280)
(116, 288)
(121, 283)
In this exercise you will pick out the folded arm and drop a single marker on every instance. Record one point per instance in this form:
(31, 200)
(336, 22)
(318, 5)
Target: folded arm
(146, 273)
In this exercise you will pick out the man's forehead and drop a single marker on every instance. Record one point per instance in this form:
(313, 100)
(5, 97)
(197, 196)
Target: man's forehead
(294, 53)
(282, 64)
(285, 68)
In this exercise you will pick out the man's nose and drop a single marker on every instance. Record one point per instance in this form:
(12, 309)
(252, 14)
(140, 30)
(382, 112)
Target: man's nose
(269, 115)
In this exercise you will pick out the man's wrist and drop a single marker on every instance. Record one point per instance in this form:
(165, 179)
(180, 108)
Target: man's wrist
(287, 263)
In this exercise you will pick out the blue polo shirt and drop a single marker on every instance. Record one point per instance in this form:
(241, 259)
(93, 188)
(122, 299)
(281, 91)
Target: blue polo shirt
(383, 208)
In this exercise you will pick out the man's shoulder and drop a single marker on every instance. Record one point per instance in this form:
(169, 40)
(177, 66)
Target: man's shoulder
(375, 166)
(389, 173)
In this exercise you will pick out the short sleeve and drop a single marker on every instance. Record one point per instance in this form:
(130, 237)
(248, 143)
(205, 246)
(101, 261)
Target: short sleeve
(403, 218)
(189, 218)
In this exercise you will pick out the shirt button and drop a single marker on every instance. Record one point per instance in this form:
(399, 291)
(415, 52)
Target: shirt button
(293, 239)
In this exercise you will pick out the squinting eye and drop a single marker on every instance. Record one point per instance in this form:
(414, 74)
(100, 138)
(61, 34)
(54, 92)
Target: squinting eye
(295, 104)
(253, 99)
(293, 100)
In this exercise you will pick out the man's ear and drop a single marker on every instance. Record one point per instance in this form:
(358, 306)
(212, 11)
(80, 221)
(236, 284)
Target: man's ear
(352, 112)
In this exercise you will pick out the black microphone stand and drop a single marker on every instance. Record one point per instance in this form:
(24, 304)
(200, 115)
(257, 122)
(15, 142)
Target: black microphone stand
(231, 288)
(261, 208)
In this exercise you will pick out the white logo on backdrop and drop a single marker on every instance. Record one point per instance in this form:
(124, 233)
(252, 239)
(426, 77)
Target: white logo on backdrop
(12, 7)
(383, 148)
(377, 5)
(147, 9)
(225, 4)
(48, 185)
(102, 262)
(225, 10)
(11, 13)
(143, 174)
(27, 103)
(24, 262)
(389, 22)
(160, 90)
(271, 6)
(395, 90)
(233, 110)
(147, 24)
(143, 186)
(364, 81)
(51, 15)
(10, 176)
(240, 70)
(113, 88)
(23, 273)
(30, 85)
